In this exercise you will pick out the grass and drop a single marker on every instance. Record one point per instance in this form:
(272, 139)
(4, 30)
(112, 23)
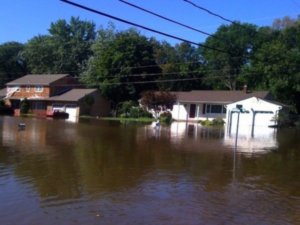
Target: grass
(142, 120)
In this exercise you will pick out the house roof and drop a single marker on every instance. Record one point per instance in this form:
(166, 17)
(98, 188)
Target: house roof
(206, 96)
(2, 92)
(37, 79)
(73, 95)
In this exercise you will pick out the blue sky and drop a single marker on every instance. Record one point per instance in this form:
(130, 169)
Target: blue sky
(21, 20)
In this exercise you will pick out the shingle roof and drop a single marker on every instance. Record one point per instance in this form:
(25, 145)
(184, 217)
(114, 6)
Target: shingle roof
(3, 92)
(219, 96)
(37, 79)
(73, 95)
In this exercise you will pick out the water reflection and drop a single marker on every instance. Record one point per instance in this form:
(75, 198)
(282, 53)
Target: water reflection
(249, 141)
(97, 172)
(252, 140)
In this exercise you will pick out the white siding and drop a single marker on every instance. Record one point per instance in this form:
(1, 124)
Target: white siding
(259, 113)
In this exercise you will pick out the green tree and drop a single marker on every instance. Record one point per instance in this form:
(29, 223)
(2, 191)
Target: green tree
(122, 65)
(39, 54)
(65, 49)
(224, 69)
(275, 66)
(12, 64)
(181, 65)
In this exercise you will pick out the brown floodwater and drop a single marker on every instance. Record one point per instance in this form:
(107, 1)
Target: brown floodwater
(100, 172)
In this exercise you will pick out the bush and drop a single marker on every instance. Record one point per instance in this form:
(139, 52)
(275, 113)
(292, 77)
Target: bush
(24, 108)
(130, 109)
(2, 103)
(218, 122)
(165, 117)
(123, 108)
(205, 123)
(214, 122)
(137, 112)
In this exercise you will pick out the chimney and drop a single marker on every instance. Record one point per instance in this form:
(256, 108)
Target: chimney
(245, 89)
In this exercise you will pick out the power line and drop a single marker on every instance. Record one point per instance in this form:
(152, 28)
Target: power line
(138, 74)
(141, 26)
(154, 81)
(168, 19)
(209, 12)
(167, 80)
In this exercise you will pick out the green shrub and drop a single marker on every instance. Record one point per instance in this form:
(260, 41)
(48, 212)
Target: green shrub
(205, 123)
(134, 112)
(218, 122)
(124, 107)
(144, 113)
(24, 108)
(165, 117)
(214, 122)
(130, 109)
(2, 103)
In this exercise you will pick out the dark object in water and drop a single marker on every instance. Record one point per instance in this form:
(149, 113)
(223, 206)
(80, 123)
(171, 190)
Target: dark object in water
(58, 115)
(21, 126)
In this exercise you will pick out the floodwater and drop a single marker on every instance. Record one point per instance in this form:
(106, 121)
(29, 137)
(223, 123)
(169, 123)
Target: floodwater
(99, 172)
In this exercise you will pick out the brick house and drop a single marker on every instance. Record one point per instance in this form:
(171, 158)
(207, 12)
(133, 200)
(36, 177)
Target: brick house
(45, 91)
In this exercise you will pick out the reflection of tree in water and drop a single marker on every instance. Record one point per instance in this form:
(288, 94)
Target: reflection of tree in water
(100, 159)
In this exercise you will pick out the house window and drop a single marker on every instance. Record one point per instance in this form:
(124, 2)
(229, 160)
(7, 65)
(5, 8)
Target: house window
(27, 88)
(38, 105)
(39, 88)
(215, 109)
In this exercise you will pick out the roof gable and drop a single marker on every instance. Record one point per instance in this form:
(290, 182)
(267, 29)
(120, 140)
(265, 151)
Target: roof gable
(256, 104)
(37, 79)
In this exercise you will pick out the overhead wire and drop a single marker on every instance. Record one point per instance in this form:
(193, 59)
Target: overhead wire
(141, 26)
(139, 67)
(166, 74)
(168, 19)
(209, 12)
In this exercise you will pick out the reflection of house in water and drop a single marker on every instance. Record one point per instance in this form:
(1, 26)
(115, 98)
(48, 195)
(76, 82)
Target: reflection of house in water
(250, 139)
(38, 135)
(195, 130)
(184, 136)
(33, 135)
(192, 136)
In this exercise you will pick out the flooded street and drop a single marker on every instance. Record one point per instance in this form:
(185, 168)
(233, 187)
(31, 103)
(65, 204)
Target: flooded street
(101, 172)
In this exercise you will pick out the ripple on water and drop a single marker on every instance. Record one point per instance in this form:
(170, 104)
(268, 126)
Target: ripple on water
(57, 201)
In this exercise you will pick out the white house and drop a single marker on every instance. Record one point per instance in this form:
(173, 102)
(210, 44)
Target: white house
(250, 113)
(205, 104)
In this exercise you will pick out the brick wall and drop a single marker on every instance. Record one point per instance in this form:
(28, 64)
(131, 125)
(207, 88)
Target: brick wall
(30, 91)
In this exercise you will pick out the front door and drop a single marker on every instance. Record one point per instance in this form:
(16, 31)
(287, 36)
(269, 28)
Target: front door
(192, 110)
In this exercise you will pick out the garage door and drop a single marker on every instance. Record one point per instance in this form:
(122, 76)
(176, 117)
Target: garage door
(72, 110)
(58, 107)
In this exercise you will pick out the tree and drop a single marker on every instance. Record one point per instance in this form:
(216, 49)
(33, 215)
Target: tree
(39, 54)
(65, 50)
(275, 66)
(158, 101)
(224, 69)
(12, 64)
(285, 22)
(122, 65)
(181, 65)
